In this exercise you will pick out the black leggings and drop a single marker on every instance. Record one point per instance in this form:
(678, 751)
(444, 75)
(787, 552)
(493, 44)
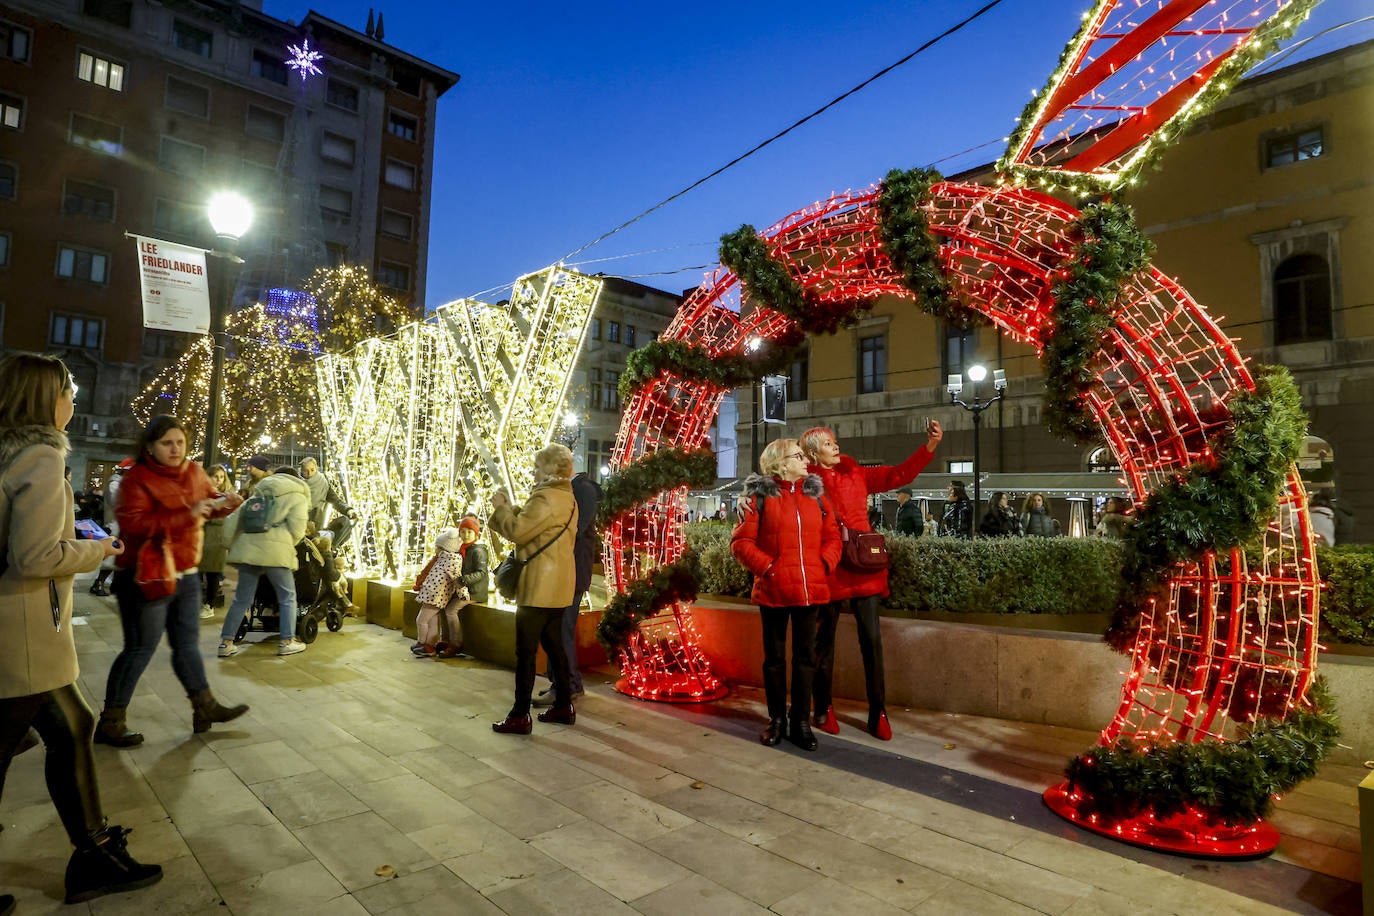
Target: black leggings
(65, 722)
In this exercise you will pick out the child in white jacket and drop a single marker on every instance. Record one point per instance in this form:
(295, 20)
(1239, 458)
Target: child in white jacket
(439, 588)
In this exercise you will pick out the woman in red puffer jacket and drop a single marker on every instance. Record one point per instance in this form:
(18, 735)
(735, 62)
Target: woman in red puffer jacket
(849, 484)
(787, 537)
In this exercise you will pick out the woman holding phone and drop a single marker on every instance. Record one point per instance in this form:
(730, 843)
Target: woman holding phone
(166, 496)
(39, 557)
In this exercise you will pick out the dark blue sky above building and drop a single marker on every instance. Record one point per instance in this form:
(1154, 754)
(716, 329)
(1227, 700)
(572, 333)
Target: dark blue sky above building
(572, 118)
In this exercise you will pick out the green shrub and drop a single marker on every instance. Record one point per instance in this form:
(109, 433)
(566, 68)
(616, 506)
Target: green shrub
(721, 573)
(1347, 604)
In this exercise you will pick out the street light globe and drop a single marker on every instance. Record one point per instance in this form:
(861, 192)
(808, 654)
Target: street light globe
(977, 372)
(231, 215)
(753, 345)
(569, 420)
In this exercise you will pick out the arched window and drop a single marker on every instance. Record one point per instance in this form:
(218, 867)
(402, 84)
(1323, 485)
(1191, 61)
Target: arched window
(1302, 300)
(1102, 461)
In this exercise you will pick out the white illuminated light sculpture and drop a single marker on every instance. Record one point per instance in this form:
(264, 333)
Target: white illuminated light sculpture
(428, 424)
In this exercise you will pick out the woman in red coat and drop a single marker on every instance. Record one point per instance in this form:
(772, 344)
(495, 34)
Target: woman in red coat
(848, 485)
(787, 537)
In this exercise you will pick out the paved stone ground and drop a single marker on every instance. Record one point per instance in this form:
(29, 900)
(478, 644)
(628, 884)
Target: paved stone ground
(357, 756)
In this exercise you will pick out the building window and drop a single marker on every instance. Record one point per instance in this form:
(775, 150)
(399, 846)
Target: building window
(958, 350)
(1302, 300)
(11, 111)
(341, 95)
(959, 467)
(100, 71)
(393, 276)
(798, 375)
(258, 179)
(115, 12)
(4, 249)
(187, 98)
(82, 264)
(1294, 146)
(335, 203)
(629, 335)
(93, 201)
(74, 331)
(160, 344)
(594, 332)
(265, 124)
(97, 135)
(269, 67)
(613, 332)
(872, 363)
(402, 125)
(594, 393)
(9, 181)
(177, 220)
(191, 38)
(337, 149)
(14, 41)
(397, 225)
(180, 157)
(400, 174)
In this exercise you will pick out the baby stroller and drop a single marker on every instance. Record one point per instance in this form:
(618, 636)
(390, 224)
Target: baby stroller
(315, 600)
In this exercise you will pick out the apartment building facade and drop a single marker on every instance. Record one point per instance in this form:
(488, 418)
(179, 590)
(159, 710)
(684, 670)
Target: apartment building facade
(122, 116)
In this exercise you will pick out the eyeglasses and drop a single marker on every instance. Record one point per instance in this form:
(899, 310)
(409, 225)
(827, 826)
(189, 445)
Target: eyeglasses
(801, 455)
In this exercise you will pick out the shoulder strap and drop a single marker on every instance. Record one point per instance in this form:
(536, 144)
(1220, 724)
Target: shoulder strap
(556, 536)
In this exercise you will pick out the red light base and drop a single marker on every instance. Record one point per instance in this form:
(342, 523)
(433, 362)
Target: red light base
(1187, 834)
(677, 689)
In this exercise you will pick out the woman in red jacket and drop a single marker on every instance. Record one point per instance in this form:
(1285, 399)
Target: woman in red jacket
(166, 495)
(786, 536)
(848, 484)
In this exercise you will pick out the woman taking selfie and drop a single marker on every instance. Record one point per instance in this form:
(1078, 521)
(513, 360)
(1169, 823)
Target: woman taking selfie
(39, 557)
(165, 496)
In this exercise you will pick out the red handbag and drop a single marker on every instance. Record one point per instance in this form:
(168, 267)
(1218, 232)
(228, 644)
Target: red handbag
(864, 551)
(156, 571)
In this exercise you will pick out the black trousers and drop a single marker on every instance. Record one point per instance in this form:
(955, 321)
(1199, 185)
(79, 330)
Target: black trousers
(535, 627)
(775, 620)
(66, 724)
(865, 611)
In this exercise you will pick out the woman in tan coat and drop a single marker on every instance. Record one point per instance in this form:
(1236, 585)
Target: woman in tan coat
(543, 531)
(39, 557)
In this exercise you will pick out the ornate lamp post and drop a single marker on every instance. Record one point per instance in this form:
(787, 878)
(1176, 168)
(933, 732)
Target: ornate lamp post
(231, 215)
(571, 429)
(955, 385)
(752, 347)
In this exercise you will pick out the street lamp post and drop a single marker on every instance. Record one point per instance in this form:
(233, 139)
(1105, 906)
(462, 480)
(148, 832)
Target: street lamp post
(231, 215)
(752, 347)
(954, 386)
(571, 429)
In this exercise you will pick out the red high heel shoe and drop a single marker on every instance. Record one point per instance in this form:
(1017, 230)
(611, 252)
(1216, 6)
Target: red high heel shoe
(826, 721)
(880, 729)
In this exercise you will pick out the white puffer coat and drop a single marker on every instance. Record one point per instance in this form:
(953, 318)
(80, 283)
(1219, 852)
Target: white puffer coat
(285, 526)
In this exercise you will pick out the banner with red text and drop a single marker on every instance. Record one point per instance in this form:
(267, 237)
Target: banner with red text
(175, 294)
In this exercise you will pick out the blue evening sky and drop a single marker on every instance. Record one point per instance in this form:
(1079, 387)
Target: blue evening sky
(572, 118)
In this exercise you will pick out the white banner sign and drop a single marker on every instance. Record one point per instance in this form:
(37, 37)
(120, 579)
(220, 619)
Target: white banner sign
(175, 294)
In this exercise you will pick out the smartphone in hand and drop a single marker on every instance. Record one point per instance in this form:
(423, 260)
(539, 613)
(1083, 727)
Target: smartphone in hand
(88, 530)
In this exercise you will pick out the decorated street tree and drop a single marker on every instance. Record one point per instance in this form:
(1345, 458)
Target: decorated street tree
(269, 385)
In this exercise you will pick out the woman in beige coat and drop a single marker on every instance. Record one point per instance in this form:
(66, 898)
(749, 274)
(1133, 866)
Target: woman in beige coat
(39, 557)
(547, 526)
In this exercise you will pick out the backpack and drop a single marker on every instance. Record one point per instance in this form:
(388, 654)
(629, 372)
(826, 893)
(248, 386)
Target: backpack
(254, 513)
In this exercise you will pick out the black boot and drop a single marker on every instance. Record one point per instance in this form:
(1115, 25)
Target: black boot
(111, 730)
(774, 732)
(206, 711)
(105, 867)
(6, 904)
(801, 735)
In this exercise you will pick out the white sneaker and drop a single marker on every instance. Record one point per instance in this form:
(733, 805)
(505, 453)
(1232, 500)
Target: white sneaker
(290, 647)
(228, 650)
(206, 612)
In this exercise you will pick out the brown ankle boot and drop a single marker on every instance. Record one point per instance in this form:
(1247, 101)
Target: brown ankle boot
(206, 711)
(112, 731)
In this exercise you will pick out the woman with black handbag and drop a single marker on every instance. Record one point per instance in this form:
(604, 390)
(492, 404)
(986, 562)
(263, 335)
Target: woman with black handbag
(860, 579)
(543, 532)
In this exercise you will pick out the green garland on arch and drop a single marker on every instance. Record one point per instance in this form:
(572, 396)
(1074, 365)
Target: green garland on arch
(1232, 782)
(914, 250)
(766, 282)
(649, 475)
(686, 361)
(1111, 249)
(644, 598)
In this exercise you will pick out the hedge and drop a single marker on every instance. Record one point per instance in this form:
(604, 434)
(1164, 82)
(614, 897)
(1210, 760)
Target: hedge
(1038, 576)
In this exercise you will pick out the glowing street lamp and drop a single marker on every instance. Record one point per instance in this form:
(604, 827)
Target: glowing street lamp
(231, 216)
(954, 385)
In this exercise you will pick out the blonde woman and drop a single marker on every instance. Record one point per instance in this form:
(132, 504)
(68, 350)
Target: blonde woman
(544, 531)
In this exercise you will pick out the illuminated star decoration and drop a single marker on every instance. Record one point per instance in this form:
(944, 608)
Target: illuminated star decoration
(303, 58)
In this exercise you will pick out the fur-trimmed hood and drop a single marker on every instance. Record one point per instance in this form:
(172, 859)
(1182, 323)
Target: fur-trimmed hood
(14, 439)
(767, 486)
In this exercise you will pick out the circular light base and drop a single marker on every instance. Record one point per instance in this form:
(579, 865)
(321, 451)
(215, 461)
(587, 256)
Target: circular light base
(678, 689)
(1187, 834)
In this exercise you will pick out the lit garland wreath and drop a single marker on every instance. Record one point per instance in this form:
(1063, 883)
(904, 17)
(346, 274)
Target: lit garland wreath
(689, 362)
(666, 469)
(1110, 249)
(1231, 782)
(914, 249)
(646, 597)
